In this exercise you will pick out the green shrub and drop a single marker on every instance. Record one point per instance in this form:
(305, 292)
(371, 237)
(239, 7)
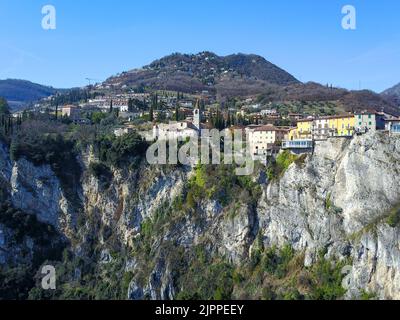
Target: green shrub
(212, 280)
(15, 283)
(222, 184)
(98, 169)
(328, 202)
(97, 117)
(367, 296)
(292, 294)
(16, 280)
(25, 225)
(102, 173)
(268, 293)
(128, 149)
(200, 176)
(394, 218)
(278, 167)
(327, 279)
(285, 159)
(276, 262)
(237, 277)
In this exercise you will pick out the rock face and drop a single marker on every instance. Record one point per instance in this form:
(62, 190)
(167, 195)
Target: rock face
(36, 190)
(131, 199)
(338, 200)
(333, 201)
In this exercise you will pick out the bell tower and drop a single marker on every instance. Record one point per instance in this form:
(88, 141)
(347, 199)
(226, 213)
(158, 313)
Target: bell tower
(197, 116)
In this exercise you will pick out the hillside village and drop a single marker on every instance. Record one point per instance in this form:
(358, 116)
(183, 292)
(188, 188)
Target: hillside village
(180, 95)
(267, 129)
(267, 139)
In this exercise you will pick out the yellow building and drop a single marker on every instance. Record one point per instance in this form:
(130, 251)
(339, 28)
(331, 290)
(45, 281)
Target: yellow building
(291, 135)
(303, 130)
(323, 127)
(342, 126)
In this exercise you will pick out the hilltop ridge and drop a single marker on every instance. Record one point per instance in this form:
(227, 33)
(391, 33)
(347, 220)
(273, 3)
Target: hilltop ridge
(237, 74)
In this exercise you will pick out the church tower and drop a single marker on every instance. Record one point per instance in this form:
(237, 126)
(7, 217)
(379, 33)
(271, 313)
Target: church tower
(197, 116)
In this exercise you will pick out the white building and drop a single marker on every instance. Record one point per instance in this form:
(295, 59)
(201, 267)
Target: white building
(72, 112)
(366, 121)
(262, 139)
(392, 125)
(179, 130)
(268, 112)
(174, 130)
(123, 108)
(119, 132)
(320, 128)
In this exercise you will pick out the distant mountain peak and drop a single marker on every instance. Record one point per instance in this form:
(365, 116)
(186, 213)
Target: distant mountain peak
(21, 92)
(235, 74)
(393, 94)
(395, 90)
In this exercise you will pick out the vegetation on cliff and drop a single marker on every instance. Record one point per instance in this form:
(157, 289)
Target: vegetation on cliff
(17, 277)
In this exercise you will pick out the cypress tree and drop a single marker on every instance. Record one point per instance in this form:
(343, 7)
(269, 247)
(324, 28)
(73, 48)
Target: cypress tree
(4, 109)
(111, 106)
(176, 113)
(151, 114)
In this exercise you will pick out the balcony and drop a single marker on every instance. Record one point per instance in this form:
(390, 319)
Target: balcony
(395, 128)
(297, 144)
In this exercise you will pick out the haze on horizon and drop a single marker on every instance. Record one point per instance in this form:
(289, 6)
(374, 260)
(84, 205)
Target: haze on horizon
(304, 38)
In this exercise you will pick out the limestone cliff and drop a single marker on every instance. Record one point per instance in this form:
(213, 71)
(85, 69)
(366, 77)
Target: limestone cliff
(339, 200)
(336, 200)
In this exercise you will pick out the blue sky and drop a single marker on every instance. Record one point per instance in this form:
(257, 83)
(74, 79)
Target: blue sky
(100, 38)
